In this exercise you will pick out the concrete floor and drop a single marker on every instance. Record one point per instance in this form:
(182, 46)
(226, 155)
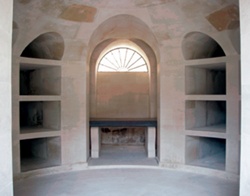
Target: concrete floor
(126, 181)
(125, 170)
(122, 155)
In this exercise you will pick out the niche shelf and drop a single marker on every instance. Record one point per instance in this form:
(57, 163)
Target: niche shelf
(205, 79)
(39, 78)
(202, 115)
(211, 100)
(40, 116)
(39, 99)
(206, 152)
(40, 153)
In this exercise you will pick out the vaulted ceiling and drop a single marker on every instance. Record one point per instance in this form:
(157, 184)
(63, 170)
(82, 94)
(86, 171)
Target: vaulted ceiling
(169, 20)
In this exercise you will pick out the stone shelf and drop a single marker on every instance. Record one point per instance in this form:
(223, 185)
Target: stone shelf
(32, 63)
(206, 112)
(212, 62)
(205, 115)
(213, 128)
(207, 132)
(206, 152)
(206, 97)
(40, 115)
(40, 79)
(39, 98)
(31, 133)
(40, 153)
(205, 79)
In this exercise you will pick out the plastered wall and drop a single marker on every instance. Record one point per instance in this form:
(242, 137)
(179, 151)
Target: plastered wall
(123, 95)
(159, 28)
(245, 131)
(6, 178)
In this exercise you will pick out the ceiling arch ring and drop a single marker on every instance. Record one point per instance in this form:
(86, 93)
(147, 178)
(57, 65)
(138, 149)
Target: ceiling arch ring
(120, 27)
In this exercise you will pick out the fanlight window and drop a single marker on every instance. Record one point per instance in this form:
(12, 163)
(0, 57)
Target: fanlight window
(122, 60)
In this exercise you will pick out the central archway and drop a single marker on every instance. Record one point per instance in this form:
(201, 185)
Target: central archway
(121, 94)
(118, 94)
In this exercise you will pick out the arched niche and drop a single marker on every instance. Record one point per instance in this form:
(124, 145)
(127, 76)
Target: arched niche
(110, 91)
(130, 29)
(46, 46)
(123, 27)
(197, 45)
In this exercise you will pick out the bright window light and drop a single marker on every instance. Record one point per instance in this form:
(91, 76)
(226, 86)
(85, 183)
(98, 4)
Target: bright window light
(122, 60)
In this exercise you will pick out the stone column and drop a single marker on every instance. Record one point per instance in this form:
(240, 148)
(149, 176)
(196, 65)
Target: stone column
(245, 103)
(150, 141)
(6, 179)
(95, 142)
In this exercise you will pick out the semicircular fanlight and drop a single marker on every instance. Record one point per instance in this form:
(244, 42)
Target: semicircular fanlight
(122, 60)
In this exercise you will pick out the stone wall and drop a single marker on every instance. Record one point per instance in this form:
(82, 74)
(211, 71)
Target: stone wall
(6, 178)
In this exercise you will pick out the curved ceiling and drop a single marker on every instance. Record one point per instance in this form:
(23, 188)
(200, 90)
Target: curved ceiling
(45, 46)
(80, 20)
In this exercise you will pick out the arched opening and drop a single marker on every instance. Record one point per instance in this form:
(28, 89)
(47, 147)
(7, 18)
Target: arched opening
(197, 45)
(208, 78)
(41, 78)
(46, 46)
(122, 94)
(122, 59)
(123, 90)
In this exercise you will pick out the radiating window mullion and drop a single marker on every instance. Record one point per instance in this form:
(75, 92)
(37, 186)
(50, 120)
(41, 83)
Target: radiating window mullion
(107, 61)
(137, 67)
(125, 58)
(127, 65)
(135, 62)
(122, 56)
(115, 59)
(111, 62)
(108, 67)
(122, 59)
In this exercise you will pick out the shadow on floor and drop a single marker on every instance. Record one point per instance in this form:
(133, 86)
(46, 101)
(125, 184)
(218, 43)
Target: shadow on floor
(122, 155)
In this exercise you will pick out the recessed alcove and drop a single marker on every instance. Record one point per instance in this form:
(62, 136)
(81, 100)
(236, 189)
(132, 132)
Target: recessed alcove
(130, 142)
(123, 146)
(205, 79)
(206, 152)
(206, 115)
(197, 45)
(46, 46)
(40, 80)
(39, 115)
(40, 153)
(123, 136)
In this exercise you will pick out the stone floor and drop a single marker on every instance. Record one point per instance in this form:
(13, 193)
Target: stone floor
(125, 171)
(122, 155)
(126, 181)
